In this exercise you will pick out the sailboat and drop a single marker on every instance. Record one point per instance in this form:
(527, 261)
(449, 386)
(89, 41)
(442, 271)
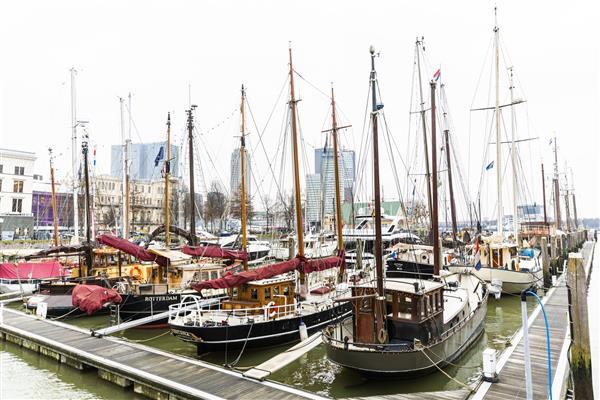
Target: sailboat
(503, 262)
(275, 303)
(407, 326)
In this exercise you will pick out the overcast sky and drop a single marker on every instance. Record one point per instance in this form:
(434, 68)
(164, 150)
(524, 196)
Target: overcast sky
(157, 50)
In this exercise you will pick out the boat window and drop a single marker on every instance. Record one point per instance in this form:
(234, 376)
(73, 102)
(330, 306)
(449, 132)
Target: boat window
(365, 305)
(267, 293)
(276, 291)
(254, 294)
(234, 292)
(405, 305)
(286, 290)
(428, 301)
(205, 276)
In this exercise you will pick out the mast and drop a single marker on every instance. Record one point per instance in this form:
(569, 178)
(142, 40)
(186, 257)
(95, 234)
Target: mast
(567, 206)
(243, 178)
(74, 159)
(425, 144)
(450, 187)
(434, 190)
(124, 191)
(190, 126)
(544, 194)
(88, 214)
(513, 157)
(167, 173)
(380, 301)
(336, 170)
(556, 189)
(299, 227)
(576, 224)
(54, 208)
(500, 216)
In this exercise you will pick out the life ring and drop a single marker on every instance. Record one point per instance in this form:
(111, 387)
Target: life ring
(271, 309)
(382, 336)
(136, 272)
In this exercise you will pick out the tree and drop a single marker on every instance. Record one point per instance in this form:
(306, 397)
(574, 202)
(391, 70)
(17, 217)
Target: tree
(235, 207)
(286, 209)
(216, 202)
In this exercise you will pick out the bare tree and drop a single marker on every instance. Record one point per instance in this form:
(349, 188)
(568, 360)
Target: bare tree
(235, 207)
(216, 202)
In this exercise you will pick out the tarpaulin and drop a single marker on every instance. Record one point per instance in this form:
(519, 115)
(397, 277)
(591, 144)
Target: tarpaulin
(132, 249)
(269, 271)
(91, 298)
(215, 251)
(33, 270)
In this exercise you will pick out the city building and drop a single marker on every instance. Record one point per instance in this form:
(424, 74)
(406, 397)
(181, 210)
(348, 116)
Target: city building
(142, 157)
(147, 204)
(530, 212)
(320, 187)
(235, 180)
(16, 187)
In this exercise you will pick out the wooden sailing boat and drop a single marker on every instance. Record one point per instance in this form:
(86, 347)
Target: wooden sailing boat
(267, 305)
(407, 326)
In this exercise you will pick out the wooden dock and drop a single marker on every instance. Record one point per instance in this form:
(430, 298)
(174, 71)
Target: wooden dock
(151, 372)
(510, 366)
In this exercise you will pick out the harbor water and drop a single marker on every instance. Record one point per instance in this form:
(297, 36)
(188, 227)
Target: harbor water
(27, 375)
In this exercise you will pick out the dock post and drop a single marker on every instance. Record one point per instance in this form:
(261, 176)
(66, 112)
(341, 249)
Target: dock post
(581, 364)
(526, 356)
(553, 249)
(291, 248)
(546, 263)
(359, 253)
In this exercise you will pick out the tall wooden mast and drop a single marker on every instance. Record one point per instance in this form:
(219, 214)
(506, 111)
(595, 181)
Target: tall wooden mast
(434, 189)
(243, 177)
(54, 208)
(557, 220)
(451, 187)
(500, 215)
(338, 201)
(190, 127)
(167, 177)
(88, 213)
(544, 194)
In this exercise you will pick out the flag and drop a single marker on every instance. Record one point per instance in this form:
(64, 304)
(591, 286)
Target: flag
(437, 74)
(94, 156)
(550, 142)
(159, 156)
(477, 259)
(489, 166)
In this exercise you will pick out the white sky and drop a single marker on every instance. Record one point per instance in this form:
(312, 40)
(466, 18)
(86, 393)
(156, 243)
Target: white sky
(155, 49)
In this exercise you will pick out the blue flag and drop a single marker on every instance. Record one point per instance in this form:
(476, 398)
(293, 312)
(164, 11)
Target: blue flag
(489, 166)
(159, 156)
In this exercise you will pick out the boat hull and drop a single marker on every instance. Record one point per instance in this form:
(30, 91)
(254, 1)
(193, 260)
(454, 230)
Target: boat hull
(263, 334)
(513, 282)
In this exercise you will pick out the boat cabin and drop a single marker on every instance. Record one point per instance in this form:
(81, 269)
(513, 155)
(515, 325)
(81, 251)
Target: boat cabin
(273, 292)
(414, 310)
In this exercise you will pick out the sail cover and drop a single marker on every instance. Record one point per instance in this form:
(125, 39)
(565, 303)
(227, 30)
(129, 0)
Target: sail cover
(132, 249)
(91, 298)
(215, 251)
(33, 270)
(269, 271)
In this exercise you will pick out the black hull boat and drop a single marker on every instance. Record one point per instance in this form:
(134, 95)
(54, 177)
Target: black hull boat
(256, 332)
(408, 269)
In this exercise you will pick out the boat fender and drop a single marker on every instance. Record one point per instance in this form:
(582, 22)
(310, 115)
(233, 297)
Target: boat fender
(382, 336)
(303, 331)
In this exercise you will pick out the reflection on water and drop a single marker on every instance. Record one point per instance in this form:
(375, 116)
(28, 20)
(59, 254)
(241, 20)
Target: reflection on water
(313, 371)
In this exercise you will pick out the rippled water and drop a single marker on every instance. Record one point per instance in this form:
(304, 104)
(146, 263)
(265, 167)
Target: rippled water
(28, 375)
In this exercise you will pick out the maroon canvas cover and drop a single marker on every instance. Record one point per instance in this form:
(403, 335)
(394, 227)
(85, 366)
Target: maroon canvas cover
(297, 263)
(91, 298)
(215, 252)
(33, 270)
(132, 249)
(233, 280)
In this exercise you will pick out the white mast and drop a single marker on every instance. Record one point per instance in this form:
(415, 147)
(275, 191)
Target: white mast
(124, 210)
(513, 153)
(500, 218)
(74, 158)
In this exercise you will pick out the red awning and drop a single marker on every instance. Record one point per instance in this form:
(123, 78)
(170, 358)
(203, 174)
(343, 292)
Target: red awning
(214, 251)
(33, 270)
(91, 298)
(297, 263)
(132, 249)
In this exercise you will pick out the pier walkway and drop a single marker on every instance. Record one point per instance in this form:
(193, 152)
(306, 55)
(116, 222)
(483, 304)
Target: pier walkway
(151, 372)
(511, 365)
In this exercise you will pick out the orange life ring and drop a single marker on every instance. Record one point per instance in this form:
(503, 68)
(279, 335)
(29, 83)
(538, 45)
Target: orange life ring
(136, 272)
(271, 309)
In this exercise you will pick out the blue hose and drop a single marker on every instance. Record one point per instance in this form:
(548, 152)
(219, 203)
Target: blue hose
(529, 292)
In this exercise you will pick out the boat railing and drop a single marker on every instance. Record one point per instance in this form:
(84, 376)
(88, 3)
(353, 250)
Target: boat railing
(193, 313)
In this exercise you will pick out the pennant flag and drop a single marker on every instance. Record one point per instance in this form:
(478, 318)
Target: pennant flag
(159, 156)
(437, 74)
(94, 156)
(489, 166)
(477, 260)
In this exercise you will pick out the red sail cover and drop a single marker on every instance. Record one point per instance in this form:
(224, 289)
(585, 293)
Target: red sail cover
(33, 270)
(132, 249)
(215, 251)
(91, 298)
(297, 263)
